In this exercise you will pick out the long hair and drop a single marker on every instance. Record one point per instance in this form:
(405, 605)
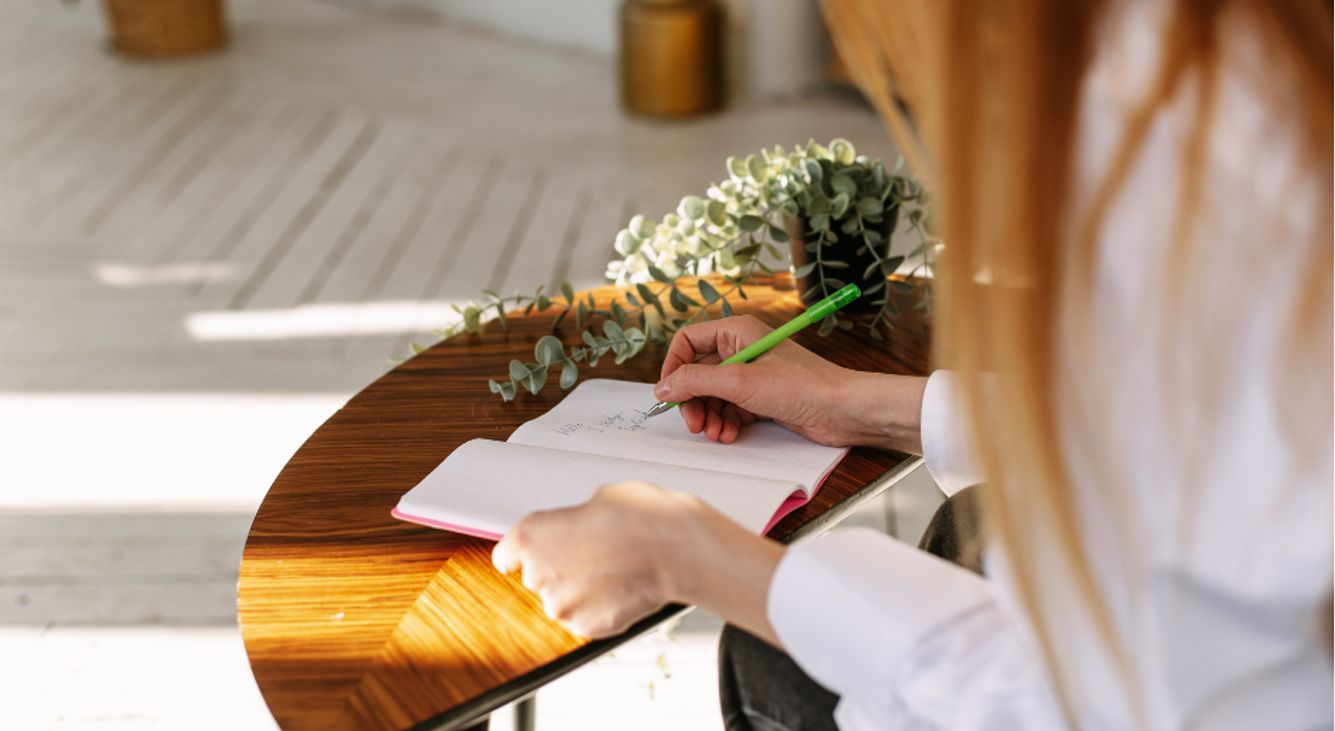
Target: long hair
(994, 89)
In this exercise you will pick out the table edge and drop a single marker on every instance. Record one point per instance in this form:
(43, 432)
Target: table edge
(525, 685)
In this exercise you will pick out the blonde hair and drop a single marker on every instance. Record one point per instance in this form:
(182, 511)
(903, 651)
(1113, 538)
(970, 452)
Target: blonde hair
(994, 89)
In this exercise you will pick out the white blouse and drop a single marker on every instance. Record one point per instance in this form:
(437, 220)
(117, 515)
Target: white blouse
(1219, 590)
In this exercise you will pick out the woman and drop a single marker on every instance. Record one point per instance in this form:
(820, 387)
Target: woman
(1136, 308)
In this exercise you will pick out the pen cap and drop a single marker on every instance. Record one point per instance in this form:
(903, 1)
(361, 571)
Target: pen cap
(834, 302)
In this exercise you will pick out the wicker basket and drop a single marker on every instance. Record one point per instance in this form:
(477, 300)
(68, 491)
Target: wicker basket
(166, 27)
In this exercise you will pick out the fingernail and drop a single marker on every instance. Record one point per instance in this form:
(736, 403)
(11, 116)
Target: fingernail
(662, 390)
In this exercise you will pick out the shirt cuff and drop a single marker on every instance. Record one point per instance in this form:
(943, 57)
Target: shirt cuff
(947, 444)
(851, 606)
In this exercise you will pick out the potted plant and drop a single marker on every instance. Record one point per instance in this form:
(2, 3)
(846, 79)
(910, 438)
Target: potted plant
(159, 28)
(833, 210)
(825, 212)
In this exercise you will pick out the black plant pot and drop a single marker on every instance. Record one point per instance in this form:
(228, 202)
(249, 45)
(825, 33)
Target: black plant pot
(846, 248)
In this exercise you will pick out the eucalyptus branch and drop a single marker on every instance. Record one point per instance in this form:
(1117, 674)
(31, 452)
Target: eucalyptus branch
(729, 232)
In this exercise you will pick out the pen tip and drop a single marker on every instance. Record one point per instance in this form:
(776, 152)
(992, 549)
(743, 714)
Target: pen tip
(656, 409)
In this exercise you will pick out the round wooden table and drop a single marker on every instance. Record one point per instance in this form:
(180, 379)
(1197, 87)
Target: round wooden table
(355, 620)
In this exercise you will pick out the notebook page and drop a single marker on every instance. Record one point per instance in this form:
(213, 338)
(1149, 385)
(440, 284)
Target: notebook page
(604, 416)
(485, 487)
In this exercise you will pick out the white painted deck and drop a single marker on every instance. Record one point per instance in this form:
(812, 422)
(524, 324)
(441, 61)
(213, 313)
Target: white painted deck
(201, 259)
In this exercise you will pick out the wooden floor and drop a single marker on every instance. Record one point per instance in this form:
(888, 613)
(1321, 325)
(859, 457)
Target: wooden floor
(200, 259)
(316, 195)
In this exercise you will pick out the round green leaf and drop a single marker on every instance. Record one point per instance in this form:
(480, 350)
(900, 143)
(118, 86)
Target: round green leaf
(675, 299)
(569, 374)
(642, 227)
(736, 168)
(472, 318)
(537, 378)
(717, 212)
(756, 168)
(843, 151)
(805, 269)
(692, 207)
(750, 223)
(548, 350)
(627, 243)
(844, 183)
(840, 205)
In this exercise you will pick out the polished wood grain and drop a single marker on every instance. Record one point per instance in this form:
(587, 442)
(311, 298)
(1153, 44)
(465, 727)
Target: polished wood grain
(355, 620)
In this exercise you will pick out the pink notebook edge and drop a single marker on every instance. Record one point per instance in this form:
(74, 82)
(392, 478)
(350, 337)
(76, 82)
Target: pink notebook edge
(441, 525)
(797, 500)
(793, 502)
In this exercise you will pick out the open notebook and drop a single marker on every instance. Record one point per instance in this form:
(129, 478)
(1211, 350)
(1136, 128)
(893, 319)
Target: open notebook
(598, 434)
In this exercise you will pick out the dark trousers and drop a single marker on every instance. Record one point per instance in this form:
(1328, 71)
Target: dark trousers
(762, 689)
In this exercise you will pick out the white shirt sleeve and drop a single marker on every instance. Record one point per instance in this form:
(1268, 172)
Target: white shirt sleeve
(906, 639)
(947, 442)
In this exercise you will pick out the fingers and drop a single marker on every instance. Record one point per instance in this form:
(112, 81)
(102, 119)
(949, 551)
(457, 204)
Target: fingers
(720, 337)
(732, 424)
(690, 343)
(693, 414)
(508, 553)
(719, 420)
(697, 412)
(580, 585)
(505, 555)
(713, 418)
(698, 379)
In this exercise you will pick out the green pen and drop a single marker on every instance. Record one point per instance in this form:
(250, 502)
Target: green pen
(813, 315)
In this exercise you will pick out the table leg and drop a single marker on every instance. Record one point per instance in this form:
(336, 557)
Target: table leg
(526, 714)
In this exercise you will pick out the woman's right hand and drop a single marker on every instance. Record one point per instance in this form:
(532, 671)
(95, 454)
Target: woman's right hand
(789, 384)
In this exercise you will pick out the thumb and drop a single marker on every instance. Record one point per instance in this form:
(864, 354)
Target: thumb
(695, 379)
(505, 556)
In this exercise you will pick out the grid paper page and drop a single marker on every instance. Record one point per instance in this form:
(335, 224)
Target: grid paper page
(486, 486)
(604, 416)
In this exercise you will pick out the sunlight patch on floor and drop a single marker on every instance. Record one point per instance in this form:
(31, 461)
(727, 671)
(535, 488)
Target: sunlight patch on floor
(145, 450)
(198, 678)
(129, 677)
(127, 276)
(320, 321)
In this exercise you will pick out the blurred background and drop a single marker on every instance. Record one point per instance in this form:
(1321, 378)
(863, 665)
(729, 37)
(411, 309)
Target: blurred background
(220, 226)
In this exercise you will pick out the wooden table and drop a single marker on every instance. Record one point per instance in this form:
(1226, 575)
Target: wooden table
(354, 620)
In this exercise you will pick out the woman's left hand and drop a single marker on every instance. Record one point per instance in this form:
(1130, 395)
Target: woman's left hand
(634, 547)
(600, 566)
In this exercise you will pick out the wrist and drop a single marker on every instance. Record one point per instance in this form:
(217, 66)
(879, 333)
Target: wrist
(692, 547)
(884, 410)
(681, 553)
(719, 566)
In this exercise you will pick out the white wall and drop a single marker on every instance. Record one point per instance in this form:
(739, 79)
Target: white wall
(776, 48)
(588, 25)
